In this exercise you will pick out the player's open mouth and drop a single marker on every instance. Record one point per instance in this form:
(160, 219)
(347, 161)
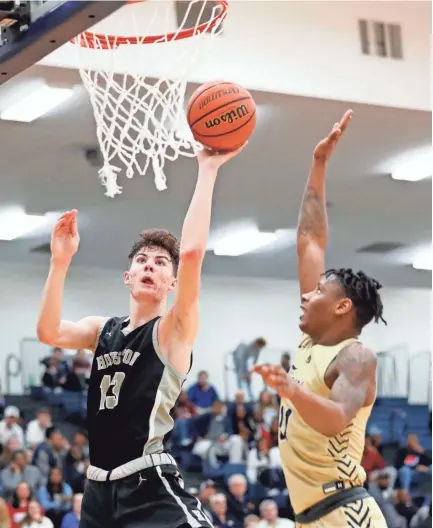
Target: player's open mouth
(147, 280)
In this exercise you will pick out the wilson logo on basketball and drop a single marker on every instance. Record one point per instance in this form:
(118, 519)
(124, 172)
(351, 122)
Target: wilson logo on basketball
(228, 117)
(217, 95)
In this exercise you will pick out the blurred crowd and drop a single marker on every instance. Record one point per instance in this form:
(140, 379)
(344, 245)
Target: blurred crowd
(230, 448)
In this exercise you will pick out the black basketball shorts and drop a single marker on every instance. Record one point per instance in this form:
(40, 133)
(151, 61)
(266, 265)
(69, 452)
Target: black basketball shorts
(154, 497)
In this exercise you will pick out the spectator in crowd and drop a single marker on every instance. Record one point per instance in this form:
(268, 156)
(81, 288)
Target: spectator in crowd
(244, 356)
(220, 517)
(404, 505)
(19, 504)
(12, 445)
(9, 426)
(202, 394)
(36, 428)
(373, 463)
(75, 468)
(413, 463)
(72, 519)
(243, 423)
(19, 470)
(252, 521)
(35, 517)
(184, 404)
(56, 370)
(264, 462)
(50, 453)
(238, 502)
(56, 497)
(77, 377)
(206, 492)
(286, 361)
(270, 519)
(5, 520)
(384, 496)
(268, 406)
(81, 439)
(218, 440)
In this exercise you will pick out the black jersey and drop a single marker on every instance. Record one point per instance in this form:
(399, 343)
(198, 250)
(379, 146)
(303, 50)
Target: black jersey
(132, 391)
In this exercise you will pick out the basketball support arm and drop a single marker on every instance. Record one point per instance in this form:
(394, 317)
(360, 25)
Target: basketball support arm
(49, 32)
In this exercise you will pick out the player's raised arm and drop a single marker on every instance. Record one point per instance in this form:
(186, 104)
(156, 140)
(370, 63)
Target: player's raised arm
(312, 235)
(179, 327)
(51, 329)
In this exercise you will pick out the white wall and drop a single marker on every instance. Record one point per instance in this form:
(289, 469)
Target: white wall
(308, 48)
(232, 310)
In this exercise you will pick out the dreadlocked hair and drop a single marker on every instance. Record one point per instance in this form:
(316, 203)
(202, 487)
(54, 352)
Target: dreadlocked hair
(363, 292)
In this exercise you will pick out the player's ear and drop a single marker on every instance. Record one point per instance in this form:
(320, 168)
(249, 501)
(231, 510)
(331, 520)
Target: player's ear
(173, 284)
(126, 277)
(343, 306)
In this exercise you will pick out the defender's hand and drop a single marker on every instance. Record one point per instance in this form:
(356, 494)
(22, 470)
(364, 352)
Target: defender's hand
(212, 159)
(277, 378)
(65, 238)
(325, 148)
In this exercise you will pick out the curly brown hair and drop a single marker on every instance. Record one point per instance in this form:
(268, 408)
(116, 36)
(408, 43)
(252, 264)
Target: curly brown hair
(157, 238)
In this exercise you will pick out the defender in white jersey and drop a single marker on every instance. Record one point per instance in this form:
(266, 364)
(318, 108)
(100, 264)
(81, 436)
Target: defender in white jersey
(326, 398)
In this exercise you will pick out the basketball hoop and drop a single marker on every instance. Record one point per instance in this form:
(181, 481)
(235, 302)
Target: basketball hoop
(140, 117)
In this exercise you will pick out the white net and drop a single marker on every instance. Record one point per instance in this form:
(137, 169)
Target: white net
(137, 87)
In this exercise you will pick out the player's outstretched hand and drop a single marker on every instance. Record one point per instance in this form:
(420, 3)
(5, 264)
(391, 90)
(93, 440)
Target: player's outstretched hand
(65, 238)
(325, 148)
(211, 158)
(276, 378)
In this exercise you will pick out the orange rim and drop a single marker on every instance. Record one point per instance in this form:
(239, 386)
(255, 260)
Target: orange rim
(88, 39)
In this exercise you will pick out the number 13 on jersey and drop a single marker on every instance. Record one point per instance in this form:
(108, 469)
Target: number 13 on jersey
(115, 382)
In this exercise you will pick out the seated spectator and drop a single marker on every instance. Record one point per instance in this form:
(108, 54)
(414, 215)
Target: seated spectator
(50, 453)
(75, 468)
(270, 519)
(36, 428)
(238, 503)
(77, 377)
(219, 440)
(373, 463)
(72, 519)
(5, 520)
(268, 405)
(220, 517)
(9, 426)
(19, 504)
(404, 505)
(17, 471)
(244, 356)
(413, 464)
(12, 445)
(202, 394)
(383, 495)
(286, 361)
(262, 462)
(184, 404)
(57, 370)
(56, 497)
(35, 517)
(81, 439)
(251, 521)
(243, 423)
(206, 492)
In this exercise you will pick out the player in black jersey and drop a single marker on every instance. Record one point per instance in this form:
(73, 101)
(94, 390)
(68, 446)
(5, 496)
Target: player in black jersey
(140, 363)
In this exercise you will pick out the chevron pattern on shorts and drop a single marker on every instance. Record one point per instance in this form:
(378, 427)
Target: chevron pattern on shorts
(358, 514)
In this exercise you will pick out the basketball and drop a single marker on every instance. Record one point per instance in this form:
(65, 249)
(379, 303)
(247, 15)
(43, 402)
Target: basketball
(221, 115)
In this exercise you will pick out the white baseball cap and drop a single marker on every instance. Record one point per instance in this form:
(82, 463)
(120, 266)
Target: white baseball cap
(12, 412)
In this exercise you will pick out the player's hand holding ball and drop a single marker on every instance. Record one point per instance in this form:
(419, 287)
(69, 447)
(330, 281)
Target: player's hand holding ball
(213, 160)
(65, 238)
(276, 378)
